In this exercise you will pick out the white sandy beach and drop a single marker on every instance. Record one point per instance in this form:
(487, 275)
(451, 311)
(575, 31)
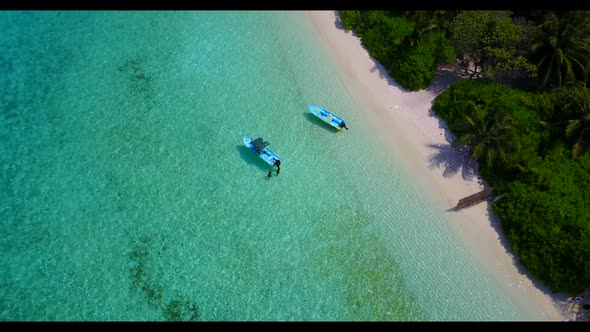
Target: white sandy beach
(407, 123)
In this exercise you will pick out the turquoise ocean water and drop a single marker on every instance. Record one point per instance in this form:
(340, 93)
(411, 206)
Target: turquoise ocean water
(126, 192)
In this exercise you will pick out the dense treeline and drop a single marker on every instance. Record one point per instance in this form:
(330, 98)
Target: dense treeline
(523, 151)
(522, 109)
(409, 45)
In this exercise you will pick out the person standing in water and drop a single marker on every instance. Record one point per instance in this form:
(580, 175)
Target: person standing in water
(343, 125)
(278, 165)
(269, 174)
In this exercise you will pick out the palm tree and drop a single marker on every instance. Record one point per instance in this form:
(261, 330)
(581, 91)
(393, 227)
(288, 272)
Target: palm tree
(421, 19)
(428, 20)
(576, 102)
(489, 138)
(561, 48)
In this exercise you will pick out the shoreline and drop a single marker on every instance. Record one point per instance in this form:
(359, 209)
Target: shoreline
(406, 122)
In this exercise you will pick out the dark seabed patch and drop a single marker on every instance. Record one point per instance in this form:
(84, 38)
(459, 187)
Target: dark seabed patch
(181, 310)
(373, 289)
(145, 278)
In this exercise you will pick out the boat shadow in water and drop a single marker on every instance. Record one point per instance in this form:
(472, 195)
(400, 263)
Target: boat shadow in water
(252, 159)
(318, 122)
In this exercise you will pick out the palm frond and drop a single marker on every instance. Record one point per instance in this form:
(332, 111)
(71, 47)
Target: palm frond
(490, 156)
(572, 127)
(577, 150)
(502, 153)
(477, 151)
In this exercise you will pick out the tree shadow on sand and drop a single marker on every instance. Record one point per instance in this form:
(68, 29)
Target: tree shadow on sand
(444, 78)
(559, 298)
(455, 160)
(452, 161)
(383, 74)
(449, 136)
(580, 311)
(338, 22)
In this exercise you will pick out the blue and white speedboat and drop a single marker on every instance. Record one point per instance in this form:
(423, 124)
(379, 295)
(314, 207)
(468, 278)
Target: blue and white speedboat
(260, 147)
(328, 117)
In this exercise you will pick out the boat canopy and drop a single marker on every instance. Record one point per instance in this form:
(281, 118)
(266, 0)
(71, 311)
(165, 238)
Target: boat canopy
(259, 143)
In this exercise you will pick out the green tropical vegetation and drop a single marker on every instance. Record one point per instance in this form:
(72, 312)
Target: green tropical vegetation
(410, 46)
(560, 47)
(522, 109)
